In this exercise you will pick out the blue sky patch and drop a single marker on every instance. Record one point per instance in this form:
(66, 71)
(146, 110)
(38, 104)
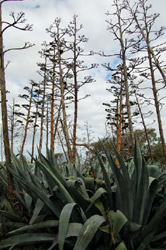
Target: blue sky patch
(108, 76)
(37, 6)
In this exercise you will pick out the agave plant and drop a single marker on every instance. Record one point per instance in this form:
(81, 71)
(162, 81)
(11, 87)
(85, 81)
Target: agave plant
(55, 208)
(135, 197)
(65, 209)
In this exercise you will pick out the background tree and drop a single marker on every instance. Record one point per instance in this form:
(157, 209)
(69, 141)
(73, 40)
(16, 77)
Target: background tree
(35, 114)
(1, 143)
(15, 123)
(119, 29)
(147, 36)
(43, 86)
(115, 111)
(68, 68)
(77, 65)
(59, 47)
(149, 113)
(117, 115)
(18, 23)
(27, 107)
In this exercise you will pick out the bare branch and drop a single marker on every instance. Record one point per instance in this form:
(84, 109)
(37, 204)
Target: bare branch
(17, 20)
(7, 64)
(11, 1)
(26, 46)
(86, 146)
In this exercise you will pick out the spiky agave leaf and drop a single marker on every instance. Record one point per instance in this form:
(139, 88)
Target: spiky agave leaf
(27, 238)
(88, 231)
(64, 222)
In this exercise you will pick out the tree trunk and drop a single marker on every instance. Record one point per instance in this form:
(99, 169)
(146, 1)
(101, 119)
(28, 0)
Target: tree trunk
(52, 107)
(47, 127)
(1, 144)
(119, 128)
(145, 129)
(124, 70)
(65, 129)
(157, 105)
(27, 121)
(154, 87)
(62, 145)
(4, 115)
(75, 97)
(34, 133)
(57, 120)
(43, 107)
(12, 127)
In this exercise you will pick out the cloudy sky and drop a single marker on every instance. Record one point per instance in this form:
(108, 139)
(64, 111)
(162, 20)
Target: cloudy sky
(42, 13)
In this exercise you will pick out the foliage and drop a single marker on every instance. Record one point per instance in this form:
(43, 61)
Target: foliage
(63, 207)
(155, 144)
